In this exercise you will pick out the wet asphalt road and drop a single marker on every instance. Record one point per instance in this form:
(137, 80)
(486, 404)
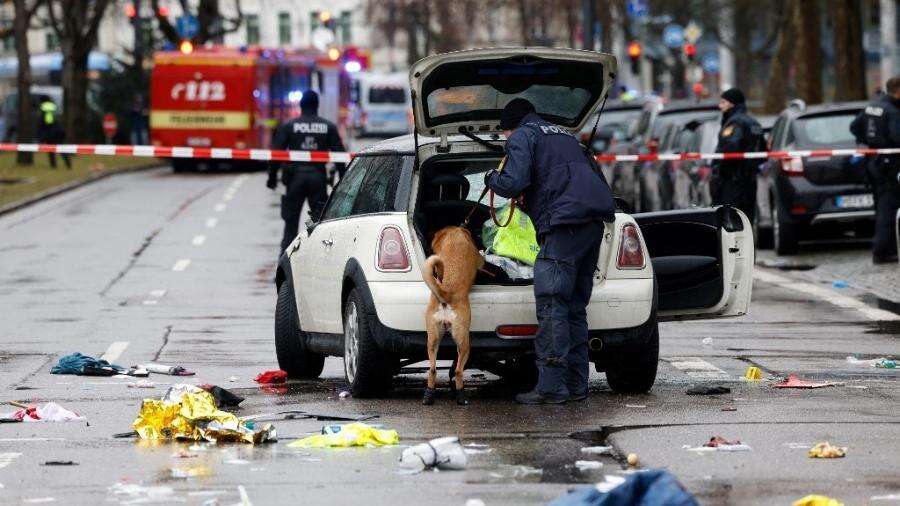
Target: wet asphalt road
(179, 268)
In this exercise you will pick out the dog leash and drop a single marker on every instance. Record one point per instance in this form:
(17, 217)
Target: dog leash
(493, 211)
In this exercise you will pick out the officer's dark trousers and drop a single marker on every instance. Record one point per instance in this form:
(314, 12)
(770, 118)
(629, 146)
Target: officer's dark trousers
(563, 279)
(735, 191)
(307, 185)
(887, 200)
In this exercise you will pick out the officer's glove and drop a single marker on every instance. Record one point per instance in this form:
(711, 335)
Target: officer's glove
(487, 177)
(272, 182)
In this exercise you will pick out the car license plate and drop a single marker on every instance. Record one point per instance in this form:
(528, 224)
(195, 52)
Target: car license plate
(864, 200)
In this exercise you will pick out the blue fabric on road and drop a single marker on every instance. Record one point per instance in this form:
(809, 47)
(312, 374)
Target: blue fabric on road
(647, 488)
(76, 363)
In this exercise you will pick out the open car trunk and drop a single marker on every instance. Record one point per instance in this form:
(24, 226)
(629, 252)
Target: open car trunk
(448, 190)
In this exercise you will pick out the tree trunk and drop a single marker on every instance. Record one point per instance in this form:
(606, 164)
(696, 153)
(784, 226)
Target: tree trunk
(779, 68)
(808, 51)
(75, 84)
(744, 23)
(849, 64)
(25, 127)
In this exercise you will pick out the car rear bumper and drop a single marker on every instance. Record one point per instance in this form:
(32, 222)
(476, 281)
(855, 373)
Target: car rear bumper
(806, 203)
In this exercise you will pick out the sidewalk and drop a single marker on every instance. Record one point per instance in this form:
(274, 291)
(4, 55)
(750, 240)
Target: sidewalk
(839, 263)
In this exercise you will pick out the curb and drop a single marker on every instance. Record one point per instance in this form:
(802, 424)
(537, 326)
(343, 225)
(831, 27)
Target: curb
(52, 192)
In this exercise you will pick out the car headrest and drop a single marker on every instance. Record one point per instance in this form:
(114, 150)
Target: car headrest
(443, 187)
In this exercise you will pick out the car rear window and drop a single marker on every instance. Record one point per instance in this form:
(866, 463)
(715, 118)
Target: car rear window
(387, 95)
(831, 130)
(560, 101)
(681, 117)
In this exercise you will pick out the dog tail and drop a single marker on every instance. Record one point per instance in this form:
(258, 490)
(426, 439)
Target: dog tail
(433, 283)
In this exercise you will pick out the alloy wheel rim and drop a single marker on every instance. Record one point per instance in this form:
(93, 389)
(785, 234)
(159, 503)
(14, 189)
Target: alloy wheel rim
(351, 342)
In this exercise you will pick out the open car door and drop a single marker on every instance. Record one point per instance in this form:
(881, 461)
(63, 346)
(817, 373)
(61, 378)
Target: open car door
(465, 91)
(703, 261)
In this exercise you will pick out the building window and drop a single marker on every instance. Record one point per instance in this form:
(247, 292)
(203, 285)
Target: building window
(253, 29)
(284, 28)
(52, 41)
(345, 24)
(314, 21)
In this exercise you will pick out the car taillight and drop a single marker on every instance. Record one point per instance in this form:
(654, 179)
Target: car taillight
(631, 255)
(516, 331)
(392, 254)
(653, 145)
(792, 166)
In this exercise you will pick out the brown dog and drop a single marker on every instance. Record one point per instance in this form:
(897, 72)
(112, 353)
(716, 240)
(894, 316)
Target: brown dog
(450, 273)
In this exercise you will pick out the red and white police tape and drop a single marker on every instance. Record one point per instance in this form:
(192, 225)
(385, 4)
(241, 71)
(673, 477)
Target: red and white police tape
(345, 157)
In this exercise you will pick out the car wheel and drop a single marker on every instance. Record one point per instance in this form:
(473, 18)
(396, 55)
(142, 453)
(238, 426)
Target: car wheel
(368, 369)
(521, 373)
(784, 233)
(633, 370)
(293, 356)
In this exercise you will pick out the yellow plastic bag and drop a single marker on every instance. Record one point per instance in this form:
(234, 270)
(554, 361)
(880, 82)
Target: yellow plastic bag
(817, 500)
(354, 434)
(518, 240)
(826, 451)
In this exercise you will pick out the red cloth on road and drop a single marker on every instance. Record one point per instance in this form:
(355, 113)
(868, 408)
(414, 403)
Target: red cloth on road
(276, 376)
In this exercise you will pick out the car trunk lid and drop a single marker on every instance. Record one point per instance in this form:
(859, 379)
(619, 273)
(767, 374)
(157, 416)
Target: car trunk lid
(467, 90)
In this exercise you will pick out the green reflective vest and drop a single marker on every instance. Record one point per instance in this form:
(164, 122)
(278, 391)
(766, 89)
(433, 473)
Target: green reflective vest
(48, 109)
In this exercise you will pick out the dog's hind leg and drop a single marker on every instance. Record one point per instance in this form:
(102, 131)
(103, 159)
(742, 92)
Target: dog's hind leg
(434, 329)
(461, 336)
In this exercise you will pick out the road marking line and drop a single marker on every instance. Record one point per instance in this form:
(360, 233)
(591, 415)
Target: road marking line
(18, 439)
(114, 351)
(826, 294)
(7, 458)
(156, 294)
(219, 208)
(181, 264)
(696, 367)
(198, 240)
(150, 302)
(211, 222)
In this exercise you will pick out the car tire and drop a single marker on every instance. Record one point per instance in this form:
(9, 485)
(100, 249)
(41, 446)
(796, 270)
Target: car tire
(521, 373)
(633, 370)
(763, 235)
(293, 356)
(368, 369)
(784, 233)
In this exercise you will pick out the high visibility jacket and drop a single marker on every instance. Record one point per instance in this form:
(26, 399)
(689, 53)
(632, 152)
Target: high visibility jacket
(48, 112)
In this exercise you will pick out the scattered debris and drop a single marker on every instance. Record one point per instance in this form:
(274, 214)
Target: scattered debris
(233, 379)
(597, 450)
(839, 283)
(708, 390)
(49, 412)
(880, 362)
(189, 413)
(632, 459)
(513, 472)
(334, 429)
(223, 397)
(753, 373)
(142, 384)
(826, 451)
(817, 500)
(886, 364)
(60, 463)
(171, 370)
(269, 377)
(728, 407)
(344, 394)
(443, 453)
(136, 493)
(707, 341)
(636, 406)
(793, 381)
(718, 443)
(183, 454)
(83, 365)
(650, 487)
(354, 434)
(588, 465)
(183, 473)
(297, 414)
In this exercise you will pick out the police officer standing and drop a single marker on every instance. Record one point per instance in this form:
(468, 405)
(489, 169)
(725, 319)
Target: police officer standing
(568, 202)
(734, 181)
(49, 131)
(305, 181)
(878, 126)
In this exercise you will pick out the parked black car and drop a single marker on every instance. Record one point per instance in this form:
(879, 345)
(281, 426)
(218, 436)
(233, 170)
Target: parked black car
(815, 194)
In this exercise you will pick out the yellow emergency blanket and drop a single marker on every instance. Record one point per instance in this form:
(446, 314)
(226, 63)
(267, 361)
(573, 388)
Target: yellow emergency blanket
(192, 414)
(826, 451)
(354, 434)
(518, 240)
(817, 500)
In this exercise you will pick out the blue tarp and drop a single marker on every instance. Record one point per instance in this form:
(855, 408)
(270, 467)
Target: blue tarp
(76, 363)
(647, 488)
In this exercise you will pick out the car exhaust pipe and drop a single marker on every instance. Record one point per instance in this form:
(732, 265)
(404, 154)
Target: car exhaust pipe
(595, 344)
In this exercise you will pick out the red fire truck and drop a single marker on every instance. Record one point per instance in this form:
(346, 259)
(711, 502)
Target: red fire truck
(234, 98)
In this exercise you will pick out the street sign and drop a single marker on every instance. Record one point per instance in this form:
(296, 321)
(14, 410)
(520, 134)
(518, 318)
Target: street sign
(110, 125)
(637, 8)
(673, 35)
(187, 26)
(710, 63)
(693, 32)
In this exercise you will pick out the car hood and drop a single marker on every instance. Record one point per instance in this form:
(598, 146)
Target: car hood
(468, 89)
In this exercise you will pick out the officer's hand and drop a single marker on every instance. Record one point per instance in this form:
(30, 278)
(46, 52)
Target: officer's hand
(487, 177)
(272, 182)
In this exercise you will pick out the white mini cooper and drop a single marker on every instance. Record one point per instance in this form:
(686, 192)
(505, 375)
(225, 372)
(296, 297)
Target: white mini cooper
(350, 284)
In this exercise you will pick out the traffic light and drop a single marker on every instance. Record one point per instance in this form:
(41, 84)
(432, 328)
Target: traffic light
(634, 53)
(163, 11)
(690, 51)
(186, 47)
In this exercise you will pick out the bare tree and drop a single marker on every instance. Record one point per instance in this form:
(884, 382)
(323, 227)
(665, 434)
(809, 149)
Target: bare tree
(211, 24)
(808, 51)
(24, 12)
(76, 22)
(779, 68)
(849, 64)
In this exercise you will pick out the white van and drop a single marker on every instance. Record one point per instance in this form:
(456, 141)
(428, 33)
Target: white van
(383, 106)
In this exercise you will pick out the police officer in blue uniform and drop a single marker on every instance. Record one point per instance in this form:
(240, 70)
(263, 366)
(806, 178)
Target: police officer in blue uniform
(305, 181)
(734, 181)
(568, 202)
(878, 126)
